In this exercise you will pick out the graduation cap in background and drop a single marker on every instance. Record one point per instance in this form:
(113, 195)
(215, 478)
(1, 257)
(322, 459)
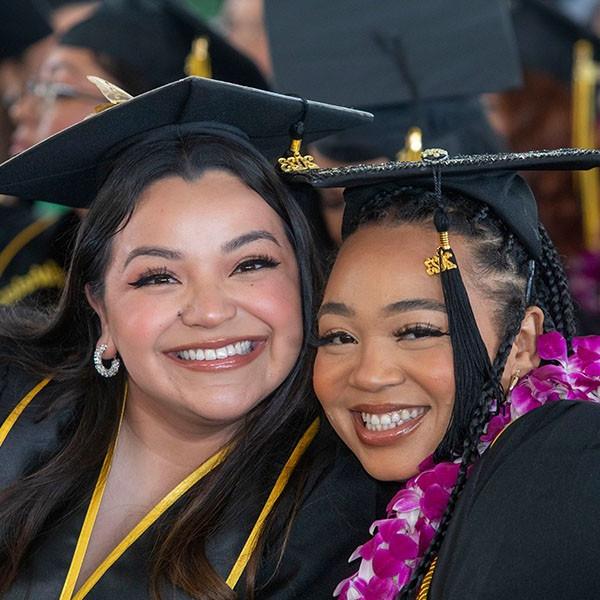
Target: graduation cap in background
(22, 24)
(412, 63)
(162, 41)
(546, 38)
(69, 167)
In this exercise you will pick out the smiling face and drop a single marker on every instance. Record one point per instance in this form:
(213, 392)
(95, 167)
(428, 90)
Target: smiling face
(384, 368)
(202, 301)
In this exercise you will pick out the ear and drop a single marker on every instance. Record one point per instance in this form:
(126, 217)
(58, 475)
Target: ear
(98, 306)
(524, 356)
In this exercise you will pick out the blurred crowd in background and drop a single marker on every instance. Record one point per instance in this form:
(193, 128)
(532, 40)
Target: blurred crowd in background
(513, 76)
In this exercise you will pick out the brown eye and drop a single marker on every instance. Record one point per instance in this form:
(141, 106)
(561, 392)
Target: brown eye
(336, 338)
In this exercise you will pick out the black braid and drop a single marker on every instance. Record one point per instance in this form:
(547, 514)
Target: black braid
(556, 297)
(492, 398)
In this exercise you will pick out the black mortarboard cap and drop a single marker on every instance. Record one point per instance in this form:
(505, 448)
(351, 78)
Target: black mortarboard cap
(546, 37)
(361, 54)
(154, 39)
(22, 24)
(491, 179)
(68, 167)
(458, 125)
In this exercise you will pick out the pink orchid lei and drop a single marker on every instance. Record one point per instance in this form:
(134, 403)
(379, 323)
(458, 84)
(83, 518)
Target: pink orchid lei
(399, 541)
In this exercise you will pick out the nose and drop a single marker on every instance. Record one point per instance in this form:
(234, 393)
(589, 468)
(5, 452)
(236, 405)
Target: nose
(24, 110)
(207, 306)
(377, 369)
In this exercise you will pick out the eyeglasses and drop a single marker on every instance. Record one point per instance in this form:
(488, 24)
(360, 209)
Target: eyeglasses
(50, 92)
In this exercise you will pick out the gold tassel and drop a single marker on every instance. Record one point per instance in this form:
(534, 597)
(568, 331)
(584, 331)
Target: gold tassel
(413, 146)
(197, 62)
(296, 162)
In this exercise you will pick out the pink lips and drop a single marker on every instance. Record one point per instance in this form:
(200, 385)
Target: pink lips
(219, 364)
(387, 437)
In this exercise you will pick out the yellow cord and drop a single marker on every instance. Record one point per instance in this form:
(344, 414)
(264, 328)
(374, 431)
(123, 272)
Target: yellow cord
(282, 480)
(22, 239)
(19, 408)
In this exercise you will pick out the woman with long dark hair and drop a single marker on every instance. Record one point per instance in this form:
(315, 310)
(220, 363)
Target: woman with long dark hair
(429, 357)
(157, 434)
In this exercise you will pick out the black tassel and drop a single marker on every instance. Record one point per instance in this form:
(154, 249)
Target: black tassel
(471, 361)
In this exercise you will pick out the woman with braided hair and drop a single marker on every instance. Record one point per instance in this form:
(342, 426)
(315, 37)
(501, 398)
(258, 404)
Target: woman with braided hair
(425, 357)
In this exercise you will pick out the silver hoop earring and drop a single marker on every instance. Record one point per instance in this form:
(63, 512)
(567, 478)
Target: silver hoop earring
(114, 365)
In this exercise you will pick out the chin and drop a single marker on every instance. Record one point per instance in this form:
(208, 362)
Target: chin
(391, 473)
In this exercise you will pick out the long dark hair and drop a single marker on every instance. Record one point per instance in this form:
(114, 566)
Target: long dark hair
(504, 273)
(60, 343)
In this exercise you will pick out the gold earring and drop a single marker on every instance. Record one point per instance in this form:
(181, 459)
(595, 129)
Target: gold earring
(514, 380)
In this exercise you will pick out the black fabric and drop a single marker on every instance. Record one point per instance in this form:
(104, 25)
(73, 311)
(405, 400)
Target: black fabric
(22, 24)
(546, 37)
(154, 38)
(36, 273)
(526, 526)
(66, 168)
(339, 503)
(459, 125)
(348, 53)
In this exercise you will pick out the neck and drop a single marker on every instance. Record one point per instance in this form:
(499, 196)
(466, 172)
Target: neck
(156, 436)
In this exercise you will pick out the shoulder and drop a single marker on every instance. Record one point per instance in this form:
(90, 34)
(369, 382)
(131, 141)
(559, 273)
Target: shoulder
(28, 429)
(529, 509)
(339, 504)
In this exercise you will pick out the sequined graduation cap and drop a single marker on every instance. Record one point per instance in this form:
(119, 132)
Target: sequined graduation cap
(69, 167)
(413, 63)
(489, 179)
(160, 41)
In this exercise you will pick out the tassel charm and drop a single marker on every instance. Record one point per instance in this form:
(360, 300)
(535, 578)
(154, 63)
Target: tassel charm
(443, 260)
(295, 162)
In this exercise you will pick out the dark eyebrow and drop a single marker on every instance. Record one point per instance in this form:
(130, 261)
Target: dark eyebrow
(335, 308)
(414, 304)
(247, 238)
(159, 251)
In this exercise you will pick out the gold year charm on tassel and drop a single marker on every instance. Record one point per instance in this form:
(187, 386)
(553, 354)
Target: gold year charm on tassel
(297, 162)
(443, 260)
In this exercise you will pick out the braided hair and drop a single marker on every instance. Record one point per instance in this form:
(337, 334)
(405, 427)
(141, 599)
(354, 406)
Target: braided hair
(509, 278)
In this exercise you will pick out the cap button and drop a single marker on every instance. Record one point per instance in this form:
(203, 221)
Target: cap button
(434, 155)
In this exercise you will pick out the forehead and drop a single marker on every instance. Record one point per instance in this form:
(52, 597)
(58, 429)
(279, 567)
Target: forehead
(380, 264)
(216, 206)
(70, 61)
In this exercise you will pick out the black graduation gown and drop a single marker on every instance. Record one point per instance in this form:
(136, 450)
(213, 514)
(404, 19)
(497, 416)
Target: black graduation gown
(35, 267)
(527, 525)
(338, 506)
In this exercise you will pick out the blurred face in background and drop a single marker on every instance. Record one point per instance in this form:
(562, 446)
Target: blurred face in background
(58, 97)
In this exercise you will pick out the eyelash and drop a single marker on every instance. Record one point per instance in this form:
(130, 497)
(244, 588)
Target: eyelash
(153, 277)
(419, 330)
(256, 263)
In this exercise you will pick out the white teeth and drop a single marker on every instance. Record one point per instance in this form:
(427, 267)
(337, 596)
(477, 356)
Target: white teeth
(391, 420)
(239, 348)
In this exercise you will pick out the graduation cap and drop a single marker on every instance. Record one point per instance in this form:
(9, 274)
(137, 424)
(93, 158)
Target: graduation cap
(412, 63)
(162, 41)
(546, 38)
(68, 167)
(359, 54)
(491, 179)
(22, 24)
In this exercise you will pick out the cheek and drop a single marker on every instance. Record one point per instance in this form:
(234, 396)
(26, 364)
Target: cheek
(329, 379)
(277, 303)
(139, 323)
